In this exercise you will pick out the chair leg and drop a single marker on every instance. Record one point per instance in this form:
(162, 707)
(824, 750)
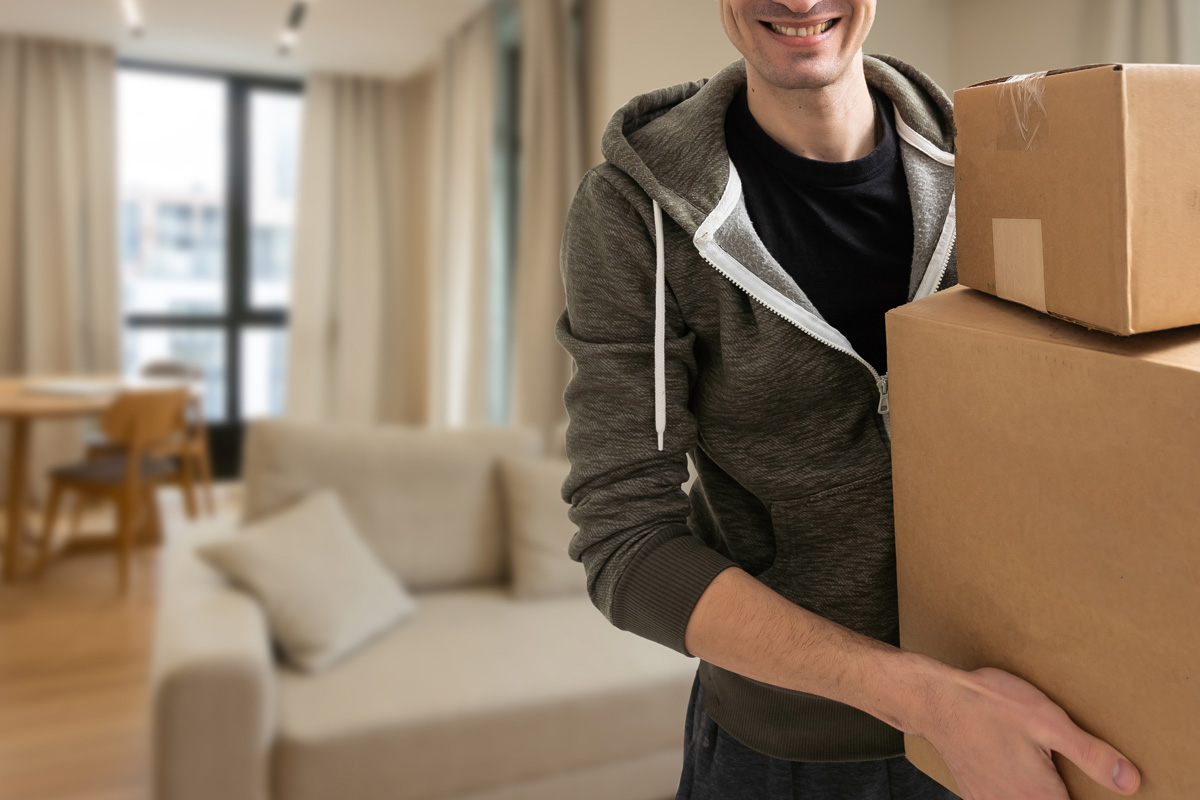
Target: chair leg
(126, 518)
(56, 490)
(77, 510)
(188, 473)
(206, 477)
(153, 531)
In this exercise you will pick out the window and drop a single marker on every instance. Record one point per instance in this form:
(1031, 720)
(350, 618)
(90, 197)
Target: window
(208, 176)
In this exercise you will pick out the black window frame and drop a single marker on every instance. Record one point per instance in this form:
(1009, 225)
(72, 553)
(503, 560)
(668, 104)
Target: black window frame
(226, 436)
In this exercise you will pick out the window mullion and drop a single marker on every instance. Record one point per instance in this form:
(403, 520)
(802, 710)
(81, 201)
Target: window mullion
(239, 165)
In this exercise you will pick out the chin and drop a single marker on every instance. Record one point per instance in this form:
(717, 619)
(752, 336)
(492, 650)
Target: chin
(815, 74)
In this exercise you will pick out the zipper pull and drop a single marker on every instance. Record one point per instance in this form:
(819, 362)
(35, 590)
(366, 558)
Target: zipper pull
(883, 394)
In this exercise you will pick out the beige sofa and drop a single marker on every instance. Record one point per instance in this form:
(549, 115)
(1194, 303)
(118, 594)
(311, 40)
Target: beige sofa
(477, 696)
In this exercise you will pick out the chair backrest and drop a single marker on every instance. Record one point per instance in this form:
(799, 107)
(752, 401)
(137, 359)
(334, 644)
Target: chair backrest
(143, 418)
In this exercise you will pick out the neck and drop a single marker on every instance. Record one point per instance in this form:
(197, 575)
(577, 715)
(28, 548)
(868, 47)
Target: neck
(832, 123)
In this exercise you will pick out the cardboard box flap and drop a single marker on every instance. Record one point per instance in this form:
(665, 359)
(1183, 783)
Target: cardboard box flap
(963, 307)
(1115, 67)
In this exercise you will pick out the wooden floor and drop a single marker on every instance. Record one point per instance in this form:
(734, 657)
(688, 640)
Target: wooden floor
(74, 670)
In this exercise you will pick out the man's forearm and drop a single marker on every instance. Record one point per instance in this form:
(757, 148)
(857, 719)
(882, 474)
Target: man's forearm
(742, 626)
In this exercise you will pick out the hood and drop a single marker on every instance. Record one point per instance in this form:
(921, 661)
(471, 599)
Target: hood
(672, 141)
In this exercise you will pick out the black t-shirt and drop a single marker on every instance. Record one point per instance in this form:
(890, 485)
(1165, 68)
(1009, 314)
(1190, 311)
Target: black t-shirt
(842, 230)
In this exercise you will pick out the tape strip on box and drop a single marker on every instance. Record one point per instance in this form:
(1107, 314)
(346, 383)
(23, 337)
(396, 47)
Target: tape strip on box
(1020, 267)
(1025, 95)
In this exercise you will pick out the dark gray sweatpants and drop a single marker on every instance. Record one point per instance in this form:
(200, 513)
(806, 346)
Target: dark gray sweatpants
(718, 767)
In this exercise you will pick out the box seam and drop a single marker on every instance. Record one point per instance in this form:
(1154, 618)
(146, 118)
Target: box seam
(1126, 211)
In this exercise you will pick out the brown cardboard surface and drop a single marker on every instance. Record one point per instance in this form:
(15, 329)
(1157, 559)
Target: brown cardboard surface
(1047, 500)
(1163, 165)
(1102, 158)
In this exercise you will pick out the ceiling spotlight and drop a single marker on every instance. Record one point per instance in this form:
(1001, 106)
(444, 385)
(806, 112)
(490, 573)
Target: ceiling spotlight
(133, 16)
(287, 41)
(291, 30)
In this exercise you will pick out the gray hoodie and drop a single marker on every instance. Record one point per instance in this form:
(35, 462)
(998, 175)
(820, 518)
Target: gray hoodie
(688, 338)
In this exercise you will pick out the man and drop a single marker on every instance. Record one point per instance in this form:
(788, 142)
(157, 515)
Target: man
(727, 273)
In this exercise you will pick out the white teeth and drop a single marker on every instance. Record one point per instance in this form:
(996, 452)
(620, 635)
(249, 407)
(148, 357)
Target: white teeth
(824, 26)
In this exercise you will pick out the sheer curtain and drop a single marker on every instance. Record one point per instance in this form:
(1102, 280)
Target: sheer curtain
(550, 172)
(464, 137)
(59, 298)
(390, 305)
(358, 322)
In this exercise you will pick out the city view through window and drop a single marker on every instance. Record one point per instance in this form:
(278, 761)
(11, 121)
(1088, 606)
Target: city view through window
(207, 177)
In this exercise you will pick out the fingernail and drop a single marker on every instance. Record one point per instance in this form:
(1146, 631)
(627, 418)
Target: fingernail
(1123, 774)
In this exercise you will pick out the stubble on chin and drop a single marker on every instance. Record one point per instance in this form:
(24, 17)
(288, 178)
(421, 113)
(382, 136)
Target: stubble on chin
(799, 72)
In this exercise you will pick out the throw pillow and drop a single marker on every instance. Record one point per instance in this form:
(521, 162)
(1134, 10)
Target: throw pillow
(539, 529)
(323, 591)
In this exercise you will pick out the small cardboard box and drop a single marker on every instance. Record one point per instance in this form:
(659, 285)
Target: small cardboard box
(1047, 501)
(1078, 193)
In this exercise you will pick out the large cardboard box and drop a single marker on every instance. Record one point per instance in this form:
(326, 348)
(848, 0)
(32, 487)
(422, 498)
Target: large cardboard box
(1078, 193)
(1047, 501)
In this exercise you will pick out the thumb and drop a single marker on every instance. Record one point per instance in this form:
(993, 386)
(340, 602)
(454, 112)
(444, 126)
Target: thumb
(1099, 760)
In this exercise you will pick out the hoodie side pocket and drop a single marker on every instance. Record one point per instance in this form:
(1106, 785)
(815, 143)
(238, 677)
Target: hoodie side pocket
(836, 555)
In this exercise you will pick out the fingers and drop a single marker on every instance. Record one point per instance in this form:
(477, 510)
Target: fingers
(1099, 760)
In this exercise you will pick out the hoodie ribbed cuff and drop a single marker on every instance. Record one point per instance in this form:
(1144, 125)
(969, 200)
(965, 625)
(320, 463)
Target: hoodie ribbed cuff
(662, 584)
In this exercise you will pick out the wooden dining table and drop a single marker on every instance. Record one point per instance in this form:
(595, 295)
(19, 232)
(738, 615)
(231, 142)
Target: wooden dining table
(25, 400)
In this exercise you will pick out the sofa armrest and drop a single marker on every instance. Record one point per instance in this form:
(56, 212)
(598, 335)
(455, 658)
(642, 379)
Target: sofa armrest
(213, 681)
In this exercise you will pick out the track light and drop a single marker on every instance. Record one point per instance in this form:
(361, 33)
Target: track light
(287, 41)
(133, 16)
(291, 31)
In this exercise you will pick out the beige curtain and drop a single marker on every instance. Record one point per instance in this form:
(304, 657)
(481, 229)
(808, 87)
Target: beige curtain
(550, 172)
(460, 296)
(359, 327)
(391, 305)
(59, 299)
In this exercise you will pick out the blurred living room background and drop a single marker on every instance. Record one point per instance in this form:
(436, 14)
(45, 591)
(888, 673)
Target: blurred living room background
(274, 269)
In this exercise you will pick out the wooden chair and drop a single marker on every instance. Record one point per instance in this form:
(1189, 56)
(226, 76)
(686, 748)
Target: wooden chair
(191, 448)
(143, 424)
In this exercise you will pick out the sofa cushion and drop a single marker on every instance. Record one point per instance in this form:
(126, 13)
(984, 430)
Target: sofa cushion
(539, 529)
(478, 690)
(323, 591)
(426, 500)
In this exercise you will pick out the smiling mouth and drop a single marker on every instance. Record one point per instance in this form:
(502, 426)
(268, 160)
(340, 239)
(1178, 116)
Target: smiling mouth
(813, 30)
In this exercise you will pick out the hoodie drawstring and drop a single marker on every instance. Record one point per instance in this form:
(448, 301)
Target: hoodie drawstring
(660, 312)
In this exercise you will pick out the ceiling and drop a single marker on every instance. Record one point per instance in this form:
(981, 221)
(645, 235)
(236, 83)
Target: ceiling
(372, 37)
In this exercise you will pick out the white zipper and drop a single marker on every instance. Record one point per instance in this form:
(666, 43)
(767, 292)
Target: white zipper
(737, 274)
(716, 254)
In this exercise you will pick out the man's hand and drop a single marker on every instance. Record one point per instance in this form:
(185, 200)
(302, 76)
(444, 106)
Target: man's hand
(996, 731)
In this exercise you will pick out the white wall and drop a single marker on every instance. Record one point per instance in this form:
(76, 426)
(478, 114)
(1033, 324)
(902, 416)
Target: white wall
(992, 40)
(916, 31)
(1189, 31)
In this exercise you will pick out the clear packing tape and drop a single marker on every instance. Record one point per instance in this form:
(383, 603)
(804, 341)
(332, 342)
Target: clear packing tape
(1026, 95)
